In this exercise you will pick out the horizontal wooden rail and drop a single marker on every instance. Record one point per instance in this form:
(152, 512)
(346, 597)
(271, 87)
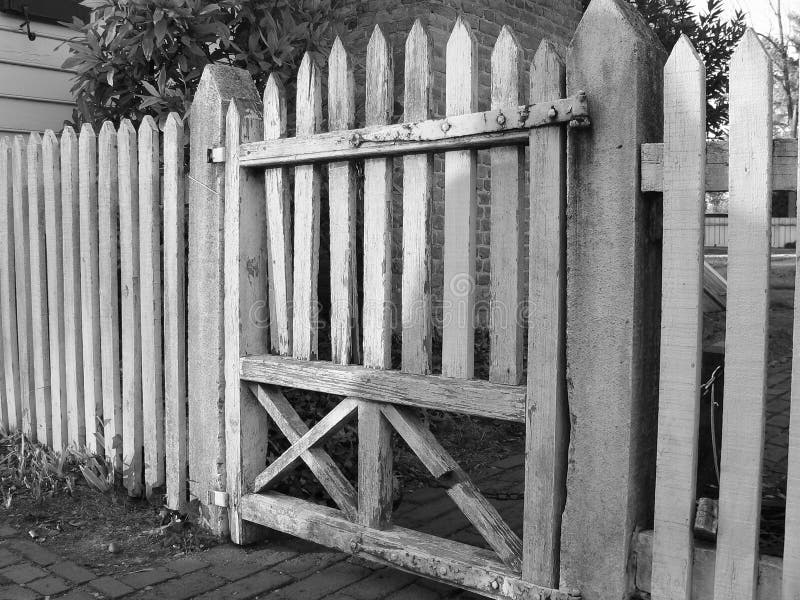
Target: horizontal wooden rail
(784, 166)
(474, 130)
(467, 396)
(454, 563)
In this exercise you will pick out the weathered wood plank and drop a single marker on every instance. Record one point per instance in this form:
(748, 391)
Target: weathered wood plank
(317, 459)
(151, 304)
(318, 434)
(306, 217)
(342, 203)
(377, 311)
(132, 421)
(471, 396)
(109, 292)
(245, 271)
(90, 296)
(40, 322)
(279, 224)
(417, 182)
(8, 297)
(681, 314)
(482, 514)
(174, 315)
(784, 155)
(505, 250)
(547, 435)
(375, 456)
(736, 574)
(73, 346)
(460, 212)
(498, 127)
(51, 163)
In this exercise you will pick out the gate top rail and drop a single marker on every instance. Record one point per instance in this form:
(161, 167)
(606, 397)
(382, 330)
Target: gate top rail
(499, 127)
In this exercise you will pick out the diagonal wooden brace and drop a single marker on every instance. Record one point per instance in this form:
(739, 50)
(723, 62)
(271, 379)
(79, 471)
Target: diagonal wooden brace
(324, 429)
(478, 510)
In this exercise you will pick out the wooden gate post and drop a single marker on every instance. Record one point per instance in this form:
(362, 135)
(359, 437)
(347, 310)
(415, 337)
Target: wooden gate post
(206, 381)
(613, 298)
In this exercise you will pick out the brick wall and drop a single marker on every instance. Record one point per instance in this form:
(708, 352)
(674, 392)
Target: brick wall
(531, 21)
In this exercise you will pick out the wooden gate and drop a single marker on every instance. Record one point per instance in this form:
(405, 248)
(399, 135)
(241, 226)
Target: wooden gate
(271, 271)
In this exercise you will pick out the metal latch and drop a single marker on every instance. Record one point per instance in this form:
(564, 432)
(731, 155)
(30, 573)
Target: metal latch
(217, 498)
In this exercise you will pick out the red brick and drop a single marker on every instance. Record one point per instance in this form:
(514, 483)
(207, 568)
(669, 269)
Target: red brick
(187, 564)
(23, 573)
(7, 558)
(191, 585)
(34, 552)
(111, 587)
(16, 592)
(379, 584)
(248, 587)
(324, 582)
(49, 586)
(69, 570)
(142, 579)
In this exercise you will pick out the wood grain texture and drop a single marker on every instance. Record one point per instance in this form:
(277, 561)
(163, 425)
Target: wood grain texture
(460, 212)
(23, 284)
(375, 466)
(681, 317)
(471, 396)
(40, 322)
(279, 224)
(378, 110)
(174, 315)
(151, 304)
(12, 412)
(547, 427)
(73, 345)
(784, 157)
(130, 333)
(417, 180)
(51, 165)
(478, 510)
(736, 574)
(245, 306)
(508, 180)
(109, 292)
(90, 294)
(317, 460)
(342, 206)
(306, 218)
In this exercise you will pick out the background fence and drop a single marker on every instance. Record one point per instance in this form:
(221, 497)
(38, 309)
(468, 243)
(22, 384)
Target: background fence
(92, 295)
(783, 231)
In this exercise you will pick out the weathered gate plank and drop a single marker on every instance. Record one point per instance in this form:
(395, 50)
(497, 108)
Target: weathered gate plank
(460, 211)
(681, 314)
(736, 573)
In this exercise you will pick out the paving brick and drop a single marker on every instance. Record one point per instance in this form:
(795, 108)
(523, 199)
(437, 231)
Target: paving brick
(23, 573)
(189, 586)
(415, 592)
(34, 552)
(16, 592)
(71, 571)
(305, 564)
(187, 564)
(260, 583)
(379, 584)
(6, 531)
(111, 587)
(323, 583)
(7, 558)
(147, 577)
(78, 595)
(49, 586)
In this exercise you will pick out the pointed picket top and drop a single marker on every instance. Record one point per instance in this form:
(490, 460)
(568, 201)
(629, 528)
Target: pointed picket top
(107, 129)
(86, 130)
(34, 139)
(683, 53)
(379, 101)
(309, 97)
(68, 136)
(461, 73)
(418, 74)
(126, 127)
(274, 108)
(546, 62)
(750, 52)
(49, 139)
(341, 88)
(174, 121)
(147, 125)
(621, 11)
(507, 58)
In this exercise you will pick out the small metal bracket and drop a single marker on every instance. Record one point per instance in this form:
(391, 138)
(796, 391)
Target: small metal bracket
(216, 155)
(217, 498)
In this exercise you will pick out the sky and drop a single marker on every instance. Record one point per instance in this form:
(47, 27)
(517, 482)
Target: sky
(759, 13)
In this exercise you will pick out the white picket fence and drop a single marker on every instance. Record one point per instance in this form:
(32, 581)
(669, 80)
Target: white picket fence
(783, 231)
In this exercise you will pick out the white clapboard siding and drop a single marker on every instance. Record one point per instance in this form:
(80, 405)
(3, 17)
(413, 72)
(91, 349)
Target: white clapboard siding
(681, 336)
(736, 572)
(460, 210)
(417, 182)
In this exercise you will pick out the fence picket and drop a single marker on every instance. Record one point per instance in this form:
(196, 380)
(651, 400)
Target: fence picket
(12, 412)
(151, 302)
(51, 165)
(40, 323)
(73, 346)
(342, 202)
(417, 181)
(174, 315)
(460, 209)
(506, 243)
(736, 573)
(377, 312)
(306, 217)
(279, 224)
(108, 256)
(23, 284)
(682, 310)
(133, 433)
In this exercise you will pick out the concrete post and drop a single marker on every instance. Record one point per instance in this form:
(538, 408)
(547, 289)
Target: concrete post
(613, 299)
